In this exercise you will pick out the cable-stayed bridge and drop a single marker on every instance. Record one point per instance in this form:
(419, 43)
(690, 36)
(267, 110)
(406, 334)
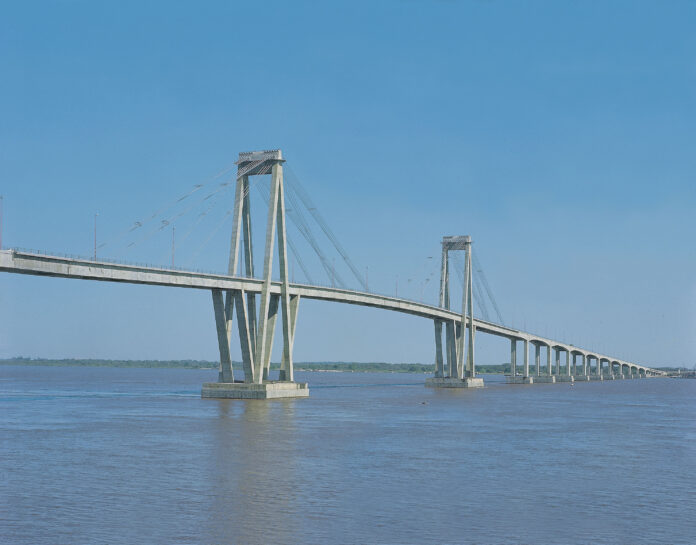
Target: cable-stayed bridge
(254, 302)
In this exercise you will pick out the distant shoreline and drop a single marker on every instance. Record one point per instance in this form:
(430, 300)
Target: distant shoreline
(337, 367)
(331, 366)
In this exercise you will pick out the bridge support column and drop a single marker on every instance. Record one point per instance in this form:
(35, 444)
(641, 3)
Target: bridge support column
(548, 378)
(568, 363)
(526, 378)
(582, 376)
(439, 361)
(566, 376)
(287, 371)
(451, 349)
(574, 357)
(223, 320)
(537, 359)
(526, 358)
(256, 338)
(598, 370)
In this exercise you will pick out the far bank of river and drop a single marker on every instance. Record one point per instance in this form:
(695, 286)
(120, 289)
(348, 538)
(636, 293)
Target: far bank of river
(362, 367)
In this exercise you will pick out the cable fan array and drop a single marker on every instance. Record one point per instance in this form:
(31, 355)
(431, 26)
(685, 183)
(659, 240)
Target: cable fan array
(480, 286)
(307, 226)
(169, 214)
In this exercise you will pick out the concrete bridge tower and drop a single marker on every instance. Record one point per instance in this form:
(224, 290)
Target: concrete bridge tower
(456, 351)
(256, 333)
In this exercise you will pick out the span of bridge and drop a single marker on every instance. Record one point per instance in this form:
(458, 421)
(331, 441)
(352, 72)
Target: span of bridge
(39, 264)
(257, 303)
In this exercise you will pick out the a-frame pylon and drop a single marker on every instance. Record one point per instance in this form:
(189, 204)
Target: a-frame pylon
(457, 353)
(256, 332)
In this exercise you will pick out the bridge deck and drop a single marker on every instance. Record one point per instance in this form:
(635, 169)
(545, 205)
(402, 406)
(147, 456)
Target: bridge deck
(20, 262)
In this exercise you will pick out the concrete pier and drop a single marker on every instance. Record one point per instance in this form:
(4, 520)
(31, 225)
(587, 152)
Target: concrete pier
(545, 379)
(245, 390)
(454, 382)
(522, 380)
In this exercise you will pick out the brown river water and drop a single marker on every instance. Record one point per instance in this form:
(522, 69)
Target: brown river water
(123, 456)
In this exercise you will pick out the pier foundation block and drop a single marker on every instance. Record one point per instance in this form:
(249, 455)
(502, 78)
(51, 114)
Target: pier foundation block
(521, 380)
(442, 382)
(243, 390)
(564, 378)
(544, 379)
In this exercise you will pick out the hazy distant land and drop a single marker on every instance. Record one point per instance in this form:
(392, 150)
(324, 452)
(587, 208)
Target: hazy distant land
(336, 366)
(374, 367)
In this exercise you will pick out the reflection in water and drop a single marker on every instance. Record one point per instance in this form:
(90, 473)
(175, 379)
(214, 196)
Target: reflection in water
(253, 464)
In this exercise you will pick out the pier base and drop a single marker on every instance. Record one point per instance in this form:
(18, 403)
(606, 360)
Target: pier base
(442, 382)
(243, 390)
(521, 380)
(595, 377)
(581, 378)
(564, 378)
(544, 379)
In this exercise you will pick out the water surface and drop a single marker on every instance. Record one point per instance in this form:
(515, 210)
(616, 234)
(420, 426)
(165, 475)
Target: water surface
(119, 456)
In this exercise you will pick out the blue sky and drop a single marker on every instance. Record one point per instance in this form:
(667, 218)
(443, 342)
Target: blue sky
(558, 134)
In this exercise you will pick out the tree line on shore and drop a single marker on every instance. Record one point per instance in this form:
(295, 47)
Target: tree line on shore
(345, 366)
(363, 367)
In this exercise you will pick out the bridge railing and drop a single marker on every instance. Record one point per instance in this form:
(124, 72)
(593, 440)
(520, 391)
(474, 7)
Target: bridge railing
(113, 261)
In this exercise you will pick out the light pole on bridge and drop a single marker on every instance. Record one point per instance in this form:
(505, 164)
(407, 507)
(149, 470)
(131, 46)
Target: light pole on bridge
(95, 235)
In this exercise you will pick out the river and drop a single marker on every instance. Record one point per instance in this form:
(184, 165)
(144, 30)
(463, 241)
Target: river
(123, 456)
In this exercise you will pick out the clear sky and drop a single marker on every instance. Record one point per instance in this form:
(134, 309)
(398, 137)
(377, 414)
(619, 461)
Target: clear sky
(560, 135)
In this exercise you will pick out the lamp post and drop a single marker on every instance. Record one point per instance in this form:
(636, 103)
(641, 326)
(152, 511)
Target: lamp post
(95, 235)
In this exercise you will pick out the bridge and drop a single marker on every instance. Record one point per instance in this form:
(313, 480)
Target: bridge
(256, 303)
